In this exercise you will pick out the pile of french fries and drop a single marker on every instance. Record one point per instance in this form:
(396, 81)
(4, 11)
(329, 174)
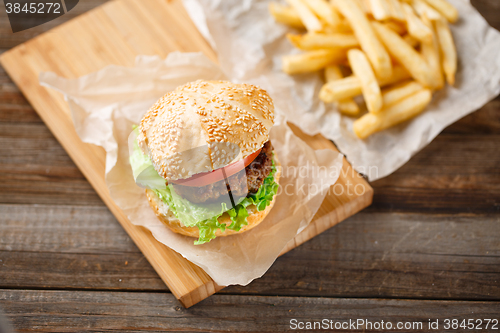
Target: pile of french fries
(395, 53)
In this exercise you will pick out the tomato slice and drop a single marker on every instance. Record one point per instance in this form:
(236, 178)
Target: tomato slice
(206, 178)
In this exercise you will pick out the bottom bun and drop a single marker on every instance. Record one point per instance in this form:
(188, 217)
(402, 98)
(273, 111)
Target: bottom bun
(168, 218)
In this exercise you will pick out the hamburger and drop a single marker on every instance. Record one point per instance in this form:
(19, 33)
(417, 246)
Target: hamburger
(202, 152)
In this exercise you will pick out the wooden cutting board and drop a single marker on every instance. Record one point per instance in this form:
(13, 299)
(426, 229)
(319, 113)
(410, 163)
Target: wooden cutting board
(116, 33)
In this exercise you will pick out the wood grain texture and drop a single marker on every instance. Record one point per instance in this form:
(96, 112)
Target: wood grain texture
(157, 312)
(373, 255)
(114, 34)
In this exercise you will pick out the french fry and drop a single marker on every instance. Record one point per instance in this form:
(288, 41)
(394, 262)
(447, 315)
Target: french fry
(412, 41)
(399, 74)
(431, 53)
(365, 7)
(445, 8)
(340, 89)
(404, 54)
(337, 18)
(423, 9)
(400, 29)
(448, 50)
(396, 10)
(336, 15)
(350, 87)
(310, 21)
(314, 41)
(347, 106)
(323, 10)
(333, 73)
(343, 27)
(381, 9)
(369, 85)
(397, 113)
(394, 94)
(416, 27)
(285, 15)
(312, 61)
(367, 38)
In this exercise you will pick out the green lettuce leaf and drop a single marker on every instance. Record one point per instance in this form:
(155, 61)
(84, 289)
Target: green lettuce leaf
(205, 217)
(144, 172)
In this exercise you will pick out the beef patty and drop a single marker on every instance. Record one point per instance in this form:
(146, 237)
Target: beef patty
(240, 184)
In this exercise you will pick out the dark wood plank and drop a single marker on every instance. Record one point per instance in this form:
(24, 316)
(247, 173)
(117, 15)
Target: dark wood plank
(70, 247)
(369, 255)
(57, 311)
(13, 106)
(483, 122)
(34, 168)
(489, 9)
(455, 173)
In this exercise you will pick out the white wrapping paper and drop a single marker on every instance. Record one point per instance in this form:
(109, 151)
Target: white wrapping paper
(105, 104)
(250, 45)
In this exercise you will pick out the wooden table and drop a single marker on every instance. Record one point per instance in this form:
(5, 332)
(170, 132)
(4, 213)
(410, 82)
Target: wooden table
(428, 247)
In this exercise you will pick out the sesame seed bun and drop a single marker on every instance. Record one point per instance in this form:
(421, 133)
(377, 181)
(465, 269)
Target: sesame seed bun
(166, 216)
(205, 125)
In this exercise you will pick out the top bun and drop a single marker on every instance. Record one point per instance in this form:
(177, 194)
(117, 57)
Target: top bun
(205, 125)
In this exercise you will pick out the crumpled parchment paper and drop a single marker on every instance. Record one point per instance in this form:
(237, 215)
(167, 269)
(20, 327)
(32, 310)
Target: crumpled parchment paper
(250, 45)
(105, 104)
